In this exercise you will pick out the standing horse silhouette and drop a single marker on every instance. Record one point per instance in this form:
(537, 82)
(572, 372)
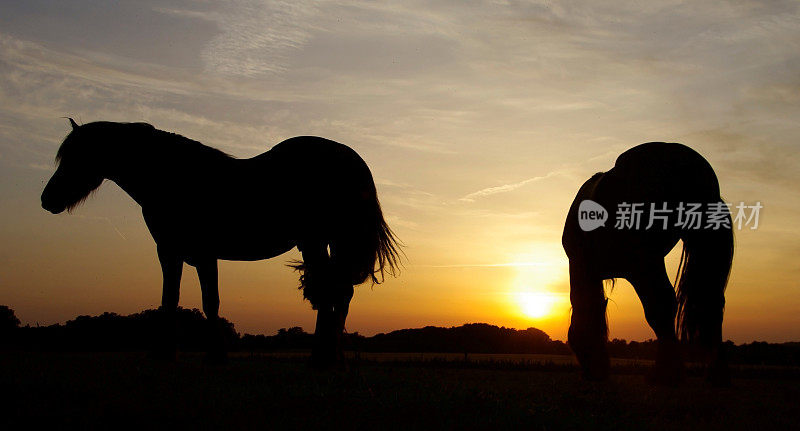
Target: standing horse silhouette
(656, 175)
(202, 205)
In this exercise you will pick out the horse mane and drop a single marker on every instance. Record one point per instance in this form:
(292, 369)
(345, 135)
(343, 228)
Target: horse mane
(102, 133)
(179, 143)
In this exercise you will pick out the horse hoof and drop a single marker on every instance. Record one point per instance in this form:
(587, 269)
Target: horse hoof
(670, 375)
(657, 378)
(595, 376)
(216, 358)
(163, 355)
(719, 379)
(327, 362)
(324, 364)
(597, 370)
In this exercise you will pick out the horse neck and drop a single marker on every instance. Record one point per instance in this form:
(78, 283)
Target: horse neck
(137, 169)
(132, 186)
(155, 166)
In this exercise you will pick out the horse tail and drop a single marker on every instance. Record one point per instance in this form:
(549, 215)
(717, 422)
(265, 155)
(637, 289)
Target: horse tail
(378, 251)
(701, 280)
(366, 248)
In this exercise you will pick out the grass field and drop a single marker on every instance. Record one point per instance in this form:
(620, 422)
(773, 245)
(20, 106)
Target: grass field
(387, 391)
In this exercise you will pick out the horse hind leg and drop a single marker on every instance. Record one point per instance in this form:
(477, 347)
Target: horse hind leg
(207, 272)
(341, 265)
(316, 284)
(652, 285)
(341, 288)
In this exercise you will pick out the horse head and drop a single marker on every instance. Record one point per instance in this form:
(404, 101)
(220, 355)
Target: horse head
(587, 337)
(77, 175)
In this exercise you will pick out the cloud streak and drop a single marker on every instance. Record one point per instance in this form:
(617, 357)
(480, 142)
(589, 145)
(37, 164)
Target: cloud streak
(489, 265)
(505, 188)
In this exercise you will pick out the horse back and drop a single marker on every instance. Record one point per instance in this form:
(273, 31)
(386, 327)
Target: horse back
(651, 174)
(255, 208)
(660, 172)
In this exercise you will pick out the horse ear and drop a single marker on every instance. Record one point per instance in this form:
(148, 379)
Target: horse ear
(72, 123)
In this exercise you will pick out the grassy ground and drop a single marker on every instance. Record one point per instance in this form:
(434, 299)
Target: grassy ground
(123, 390)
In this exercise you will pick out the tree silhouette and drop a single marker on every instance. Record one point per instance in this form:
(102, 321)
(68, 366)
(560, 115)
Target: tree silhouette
(113, 332)
(8, 320)
(9, 325)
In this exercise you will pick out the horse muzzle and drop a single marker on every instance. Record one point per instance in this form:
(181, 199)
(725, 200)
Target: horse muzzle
(53, 208)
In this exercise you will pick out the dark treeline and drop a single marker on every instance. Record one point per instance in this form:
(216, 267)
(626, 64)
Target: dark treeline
(136, 332)
(468, 338)
(109, 332)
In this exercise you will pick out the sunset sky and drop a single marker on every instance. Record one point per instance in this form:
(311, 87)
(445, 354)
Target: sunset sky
(479, 121)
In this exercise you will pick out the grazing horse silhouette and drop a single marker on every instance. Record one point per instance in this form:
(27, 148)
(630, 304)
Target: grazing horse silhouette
(202, 205)
(658, 176)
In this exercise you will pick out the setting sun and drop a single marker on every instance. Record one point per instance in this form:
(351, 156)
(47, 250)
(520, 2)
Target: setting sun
(536, 304)
(538, 288)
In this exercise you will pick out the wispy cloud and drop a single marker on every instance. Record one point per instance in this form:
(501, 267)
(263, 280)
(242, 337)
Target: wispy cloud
(256, 37)
(505, 188)
(40, 166)
(489, 265)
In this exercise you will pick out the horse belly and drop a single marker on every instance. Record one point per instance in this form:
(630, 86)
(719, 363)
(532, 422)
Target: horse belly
(239, 239)
(255, 253)
(238, 243)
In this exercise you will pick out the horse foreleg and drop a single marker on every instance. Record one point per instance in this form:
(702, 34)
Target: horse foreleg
(652, 285)
(342, 302)
(326, 339)
(328, 332)
(209, 285)
(317, 288)
(171, 270)
(342, 295)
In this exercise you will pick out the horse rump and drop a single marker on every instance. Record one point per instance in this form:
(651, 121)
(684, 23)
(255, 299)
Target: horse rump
(362, 248)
